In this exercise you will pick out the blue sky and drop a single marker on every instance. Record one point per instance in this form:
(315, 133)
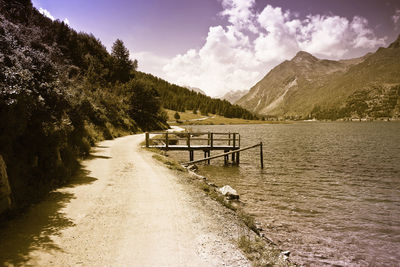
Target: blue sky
(222, 45)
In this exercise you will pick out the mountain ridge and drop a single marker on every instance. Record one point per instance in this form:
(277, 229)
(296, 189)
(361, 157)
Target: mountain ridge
(323, 83)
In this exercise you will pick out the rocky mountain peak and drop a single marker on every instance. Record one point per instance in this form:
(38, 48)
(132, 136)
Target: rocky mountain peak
(302, 55)
(396, 43)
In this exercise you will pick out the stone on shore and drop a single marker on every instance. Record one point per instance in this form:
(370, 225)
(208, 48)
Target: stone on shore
(229, 192)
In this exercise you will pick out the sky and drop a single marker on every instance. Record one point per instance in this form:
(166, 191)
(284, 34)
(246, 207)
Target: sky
(224, 45)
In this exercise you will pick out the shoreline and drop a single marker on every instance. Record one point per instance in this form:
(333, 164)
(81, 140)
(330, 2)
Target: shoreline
(258, 247)
(135, 210)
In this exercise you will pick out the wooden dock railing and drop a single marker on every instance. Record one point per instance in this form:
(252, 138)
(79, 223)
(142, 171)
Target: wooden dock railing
(226, 155)
(215, 141)
(205, 141)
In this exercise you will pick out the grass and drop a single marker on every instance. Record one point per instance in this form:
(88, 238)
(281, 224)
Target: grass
(212, 120)
(170, 163)
(211, 192)
(260, 253)
(188, 115)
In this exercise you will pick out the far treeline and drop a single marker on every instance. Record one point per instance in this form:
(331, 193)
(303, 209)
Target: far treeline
(61, 91)
(181, 99)
(374, 102)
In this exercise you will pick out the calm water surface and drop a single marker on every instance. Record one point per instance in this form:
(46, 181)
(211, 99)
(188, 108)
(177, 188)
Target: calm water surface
(329, 192)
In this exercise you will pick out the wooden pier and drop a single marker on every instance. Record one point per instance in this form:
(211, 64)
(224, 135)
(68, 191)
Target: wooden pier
(229, 143)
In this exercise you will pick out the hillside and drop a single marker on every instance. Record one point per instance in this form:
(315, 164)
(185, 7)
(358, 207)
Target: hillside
(195, 89)
(310, 87)
(180, 99)
(61, 91)
(233, 96)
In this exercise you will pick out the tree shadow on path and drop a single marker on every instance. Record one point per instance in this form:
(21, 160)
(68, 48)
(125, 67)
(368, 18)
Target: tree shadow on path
(33, 229)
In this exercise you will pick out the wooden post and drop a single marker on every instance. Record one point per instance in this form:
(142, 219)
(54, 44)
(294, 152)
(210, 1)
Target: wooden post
(238, 158)
(191, 155)
(208, 137)
(209, 155)
(225, 158)
(212, 140)
(166, 140)
(147, 139)
(234, 145)
(229, 139)
(239, 140)
(188, 140)
(261, 155)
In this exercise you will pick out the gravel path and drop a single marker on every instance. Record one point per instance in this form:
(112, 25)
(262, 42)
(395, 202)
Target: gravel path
(125, 209)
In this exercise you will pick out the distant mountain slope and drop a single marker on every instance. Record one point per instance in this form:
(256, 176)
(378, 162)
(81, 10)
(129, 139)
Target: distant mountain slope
(178, 98)
(234, 96)
(195, 89)
(297, 87)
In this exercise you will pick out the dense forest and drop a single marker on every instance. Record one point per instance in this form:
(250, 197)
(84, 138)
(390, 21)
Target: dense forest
(180, 99)
(375, 102)
(61, 91)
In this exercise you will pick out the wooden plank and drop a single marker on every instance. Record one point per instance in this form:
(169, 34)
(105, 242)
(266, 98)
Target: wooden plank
(183, 148)
(194, 139)
(194, 133)
(223, 154)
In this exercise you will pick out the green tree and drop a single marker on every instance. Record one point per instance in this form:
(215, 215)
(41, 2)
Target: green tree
(122, 65)
(177, 116)
(145, 104)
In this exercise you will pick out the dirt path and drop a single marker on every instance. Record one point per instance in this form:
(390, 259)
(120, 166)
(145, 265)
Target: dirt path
(125, 209)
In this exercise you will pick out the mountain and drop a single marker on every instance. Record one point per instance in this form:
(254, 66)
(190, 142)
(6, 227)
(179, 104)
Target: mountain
(195, 89)
(233, 96)
(307, 86)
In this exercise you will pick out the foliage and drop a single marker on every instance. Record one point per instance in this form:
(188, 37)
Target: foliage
(122, 65)
(145, 104)
(181, 99)
(60, 92)
(373, 102)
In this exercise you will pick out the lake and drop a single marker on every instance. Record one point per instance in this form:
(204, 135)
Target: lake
(329, 192)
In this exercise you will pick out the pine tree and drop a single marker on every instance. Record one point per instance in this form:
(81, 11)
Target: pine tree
(122, 65)
(177, 116)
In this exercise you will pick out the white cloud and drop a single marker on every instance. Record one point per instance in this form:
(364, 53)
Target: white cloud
(150, 63)
(214, 67)
(46, 13)
(233, 59)
(239, 13)
(396, 18)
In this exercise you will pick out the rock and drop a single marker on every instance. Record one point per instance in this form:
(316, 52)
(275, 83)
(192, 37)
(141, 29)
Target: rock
(259, 226)
(229, 192)
(286, 253)
(5, 190)
(192, 168)
(211, 184)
